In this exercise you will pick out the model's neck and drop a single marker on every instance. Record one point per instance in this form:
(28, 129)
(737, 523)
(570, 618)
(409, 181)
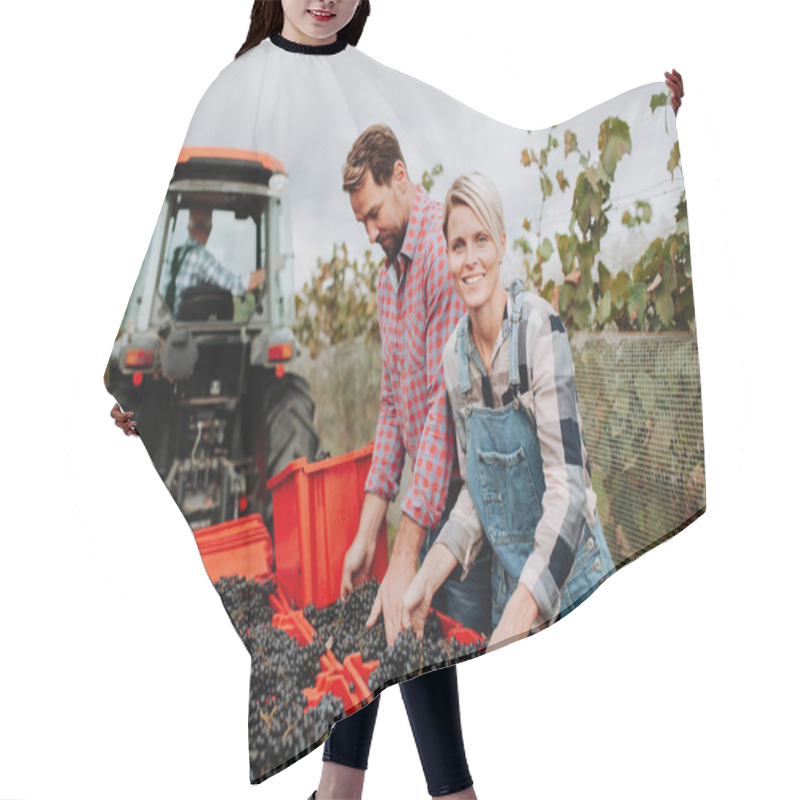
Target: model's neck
(486, 322)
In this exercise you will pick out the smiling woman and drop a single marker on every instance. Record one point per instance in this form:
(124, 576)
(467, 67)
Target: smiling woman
(528, 489)
(316, 21)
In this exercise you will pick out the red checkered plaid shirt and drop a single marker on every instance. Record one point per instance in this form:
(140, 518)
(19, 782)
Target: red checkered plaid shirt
(418, 308)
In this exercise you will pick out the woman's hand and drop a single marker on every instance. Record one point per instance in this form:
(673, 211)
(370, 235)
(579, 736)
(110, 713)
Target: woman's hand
(417, 598)
(518, 618)
(124, 420)
(675, 85)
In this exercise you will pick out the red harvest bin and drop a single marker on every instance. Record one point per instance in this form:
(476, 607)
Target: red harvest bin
(315, 510)
(236, 547)
(452, 629)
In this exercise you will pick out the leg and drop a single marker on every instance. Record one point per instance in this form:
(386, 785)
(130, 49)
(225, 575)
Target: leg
(344, 759)
(433, 710)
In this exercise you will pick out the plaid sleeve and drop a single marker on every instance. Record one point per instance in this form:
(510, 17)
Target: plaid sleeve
(389, 452)
(462, 534)
(213, 272)
(555, 409)
(427, 495)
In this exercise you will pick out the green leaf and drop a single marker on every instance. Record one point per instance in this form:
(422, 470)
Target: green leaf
(594, 178)
(587, 200)
(657, 101)
(567, 245)
(637, 304)
(669, 279)
(523, 245)
(614, 141)
(547, 186)
(581, 315)
(604, 279)
(665, 308)
(648, 266)
(627, 219)
(604, 309)
(620, 288)
(562, 181)
(545, 249)
(674, 158)
(585, 253)
(570, 142)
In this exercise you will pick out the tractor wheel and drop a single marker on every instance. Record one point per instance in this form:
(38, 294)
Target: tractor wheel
(286, 432)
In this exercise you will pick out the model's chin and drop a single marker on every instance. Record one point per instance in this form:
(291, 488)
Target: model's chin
(473, 300)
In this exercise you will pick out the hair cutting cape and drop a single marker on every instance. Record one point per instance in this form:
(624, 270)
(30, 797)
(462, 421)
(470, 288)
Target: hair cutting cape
(250, 350)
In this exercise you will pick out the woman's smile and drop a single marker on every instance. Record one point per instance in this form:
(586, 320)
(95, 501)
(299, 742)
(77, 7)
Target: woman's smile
(322, 16)
(471, 280)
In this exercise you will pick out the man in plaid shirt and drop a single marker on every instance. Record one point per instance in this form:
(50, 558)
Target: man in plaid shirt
(418, 308)
(193, 265)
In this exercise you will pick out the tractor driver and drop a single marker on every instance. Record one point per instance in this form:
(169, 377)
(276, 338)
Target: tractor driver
(193, 265)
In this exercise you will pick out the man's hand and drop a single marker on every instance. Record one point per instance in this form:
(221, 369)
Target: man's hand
(359, 557)
(256, 279)
(402, 566)
(675, 85)
(357, 564)
(518, 618)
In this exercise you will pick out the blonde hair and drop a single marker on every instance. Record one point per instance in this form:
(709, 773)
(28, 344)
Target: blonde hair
(479, 195)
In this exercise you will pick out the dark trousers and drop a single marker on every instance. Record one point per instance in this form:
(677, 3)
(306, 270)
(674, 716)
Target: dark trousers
(431, 699)
(432, 706)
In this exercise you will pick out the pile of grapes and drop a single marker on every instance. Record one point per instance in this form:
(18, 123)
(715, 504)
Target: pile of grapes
(247, 603)
(342, 625)
(278, 724)
(409, 655)
(280, 728)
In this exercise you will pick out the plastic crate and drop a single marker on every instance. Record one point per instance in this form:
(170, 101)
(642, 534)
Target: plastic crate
(316, 508)
(452, 629)
(290, 620)
(346, 679)
(237, 547)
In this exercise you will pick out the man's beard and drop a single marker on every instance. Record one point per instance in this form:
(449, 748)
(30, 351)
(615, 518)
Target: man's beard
(392, 243)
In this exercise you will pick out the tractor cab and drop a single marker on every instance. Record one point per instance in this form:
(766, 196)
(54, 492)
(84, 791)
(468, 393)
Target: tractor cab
(225, 217)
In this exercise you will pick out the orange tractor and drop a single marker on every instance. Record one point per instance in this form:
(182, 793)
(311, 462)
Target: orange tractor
(207, 368)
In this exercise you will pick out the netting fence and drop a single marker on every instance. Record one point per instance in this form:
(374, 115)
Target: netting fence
(639, 397)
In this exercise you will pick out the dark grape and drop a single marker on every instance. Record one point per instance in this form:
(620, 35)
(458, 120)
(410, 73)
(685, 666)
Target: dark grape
(281, 727)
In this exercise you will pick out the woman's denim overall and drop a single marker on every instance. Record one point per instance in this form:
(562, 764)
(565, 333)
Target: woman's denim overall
(505, 478)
